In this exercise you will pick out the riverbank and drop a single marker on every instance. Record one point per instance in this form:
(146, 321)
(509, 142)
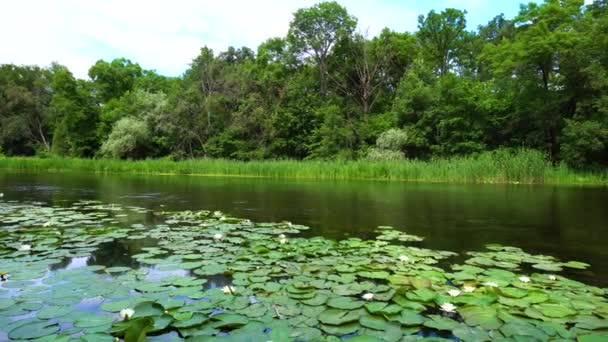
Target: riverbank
(525, 167)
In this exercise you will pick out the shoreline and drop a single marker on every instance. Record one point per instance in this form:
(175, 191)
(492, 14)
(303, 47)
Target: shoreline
(463, 170)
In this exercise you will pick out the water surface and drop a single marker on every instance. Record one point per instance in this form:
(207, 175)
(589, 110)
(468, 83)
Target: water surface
(566, 222)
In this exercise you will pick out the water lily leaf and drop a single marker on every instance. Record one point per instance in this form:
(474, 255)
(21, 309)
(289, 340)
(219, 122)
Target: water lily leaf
(421, 295)
(374, 322)
(345, 303)
(471, 334)
(318, 299)
(594, 337)
(138, 328)
(397, 279)
(548, 267)
(341, 330)
(576, 264)
(555, 310)
(373, 274)
(375, 307)
(484, 316)
(226, 320)
(34, 330)
(536, 297)
(338, 316)
(194, 320)
(511, 329)
(440, 323)
(145, 309)
(512, 292)
(365, 339)
(161, 322)
(305, 334)
(591, 323)
(89, 320)
(54, 311)
(420, 283)
(410, 318)
(117, 269)
(6, 303)
(20, 309)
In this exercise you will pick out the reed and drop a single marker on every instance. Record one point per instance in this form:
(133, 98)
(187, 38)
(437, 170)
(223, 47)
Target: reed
(501, 166)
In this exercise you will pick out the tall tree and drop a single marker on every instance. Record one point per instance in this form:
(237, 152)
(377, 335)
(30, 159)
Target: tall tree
(441, 36)
(111, 80)
(314, 32)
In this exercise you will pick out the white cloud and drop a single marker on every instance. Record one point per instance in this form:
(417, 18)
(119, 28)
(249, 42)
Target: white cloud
(161, 34)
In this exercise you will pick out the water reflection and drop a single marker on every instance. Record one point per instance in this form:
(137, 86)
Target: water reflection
(567, 222)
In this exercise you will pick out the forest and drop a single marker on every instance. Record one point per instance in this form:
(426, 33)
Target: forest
(330, 91)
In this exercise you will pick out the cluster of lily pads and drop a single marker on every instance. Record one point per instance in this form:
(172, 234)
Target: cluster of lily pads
(212, 277)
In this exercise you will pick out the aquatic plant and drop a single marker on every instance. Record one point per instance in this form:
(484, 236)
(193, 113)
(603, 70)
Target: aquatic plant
(522, 167)
(248, 286)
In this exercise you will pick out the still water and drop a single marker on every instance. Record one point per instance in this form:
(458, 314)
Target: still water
(570, 223)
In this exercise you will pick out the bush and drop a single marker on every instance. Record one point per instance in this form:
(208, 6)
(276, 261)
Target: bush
(130, 138)
(392, 140)
(377, 154)
(583, 142)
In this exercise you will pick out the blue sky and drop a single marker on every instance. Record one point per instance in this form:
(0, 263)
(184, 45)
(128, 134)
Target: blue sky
(167, 35)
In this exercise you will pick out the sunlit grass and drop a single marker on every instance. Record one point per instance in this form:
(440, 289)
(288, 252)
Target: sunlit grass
(525, 166)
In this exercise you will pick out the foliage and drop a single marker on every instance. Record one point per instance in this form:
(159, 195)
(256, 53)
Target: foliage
(130, 138)
(584, 142)
(538, 81)
(502, 166)
(267, 281)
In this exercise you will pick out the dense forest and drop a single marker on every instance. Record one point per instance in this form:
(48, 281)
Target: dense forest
(328, 91)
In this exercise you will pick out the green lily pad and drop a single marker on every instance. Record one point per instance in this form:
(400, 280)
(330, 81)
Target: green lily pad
(483, 316)
(338, 316)
(54, 311)
(33, 330)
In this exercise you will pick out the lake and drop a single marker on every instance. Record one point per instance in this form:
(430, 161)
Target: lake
(570, 223)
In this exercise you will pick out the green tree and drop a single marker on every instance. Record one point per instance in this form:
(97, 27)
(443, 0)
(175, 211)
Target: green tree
(314, 32)
(75, 115)
(130, 138)
(112, 79)
(441, 36)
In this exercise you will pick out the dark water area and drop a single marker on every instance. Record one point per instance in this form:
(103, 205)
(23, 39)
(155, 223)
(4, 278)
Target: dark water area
(570, 223)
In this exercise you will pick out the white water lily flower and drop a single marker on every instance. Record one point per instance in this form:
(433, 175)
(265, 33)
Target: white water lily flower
(228, 289)
(368, 296)
(468, 289)
(448, 307)
(218, 237)
(25, 247)
(47, 224)
(125, 314)
(282, 236)
(490, 284)
(404, 258)
(283, 241)
(1, 194)
(453, 292)
(524, 279)
(552, 277)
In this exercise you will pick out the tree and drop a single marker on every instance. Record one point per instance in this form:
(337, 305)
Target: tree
(441, 36)
(130, 138)
(111, 80)
(314, 32)
(75, 115)
(25, 122)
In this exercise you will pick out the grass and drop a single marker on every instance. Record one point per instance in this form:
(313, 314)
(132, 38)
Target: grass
(525, 166)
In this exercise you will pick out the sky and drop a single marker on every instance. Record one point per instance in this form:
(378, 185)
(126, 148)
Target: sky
(165, 35)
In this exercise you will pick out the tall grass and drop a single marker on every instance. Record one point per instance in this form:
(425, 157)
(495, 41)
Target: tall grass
(524, 166)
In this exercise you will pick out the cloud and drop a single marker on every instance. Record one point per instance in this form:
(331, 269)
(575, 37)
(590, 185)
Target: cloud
(161, 34)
